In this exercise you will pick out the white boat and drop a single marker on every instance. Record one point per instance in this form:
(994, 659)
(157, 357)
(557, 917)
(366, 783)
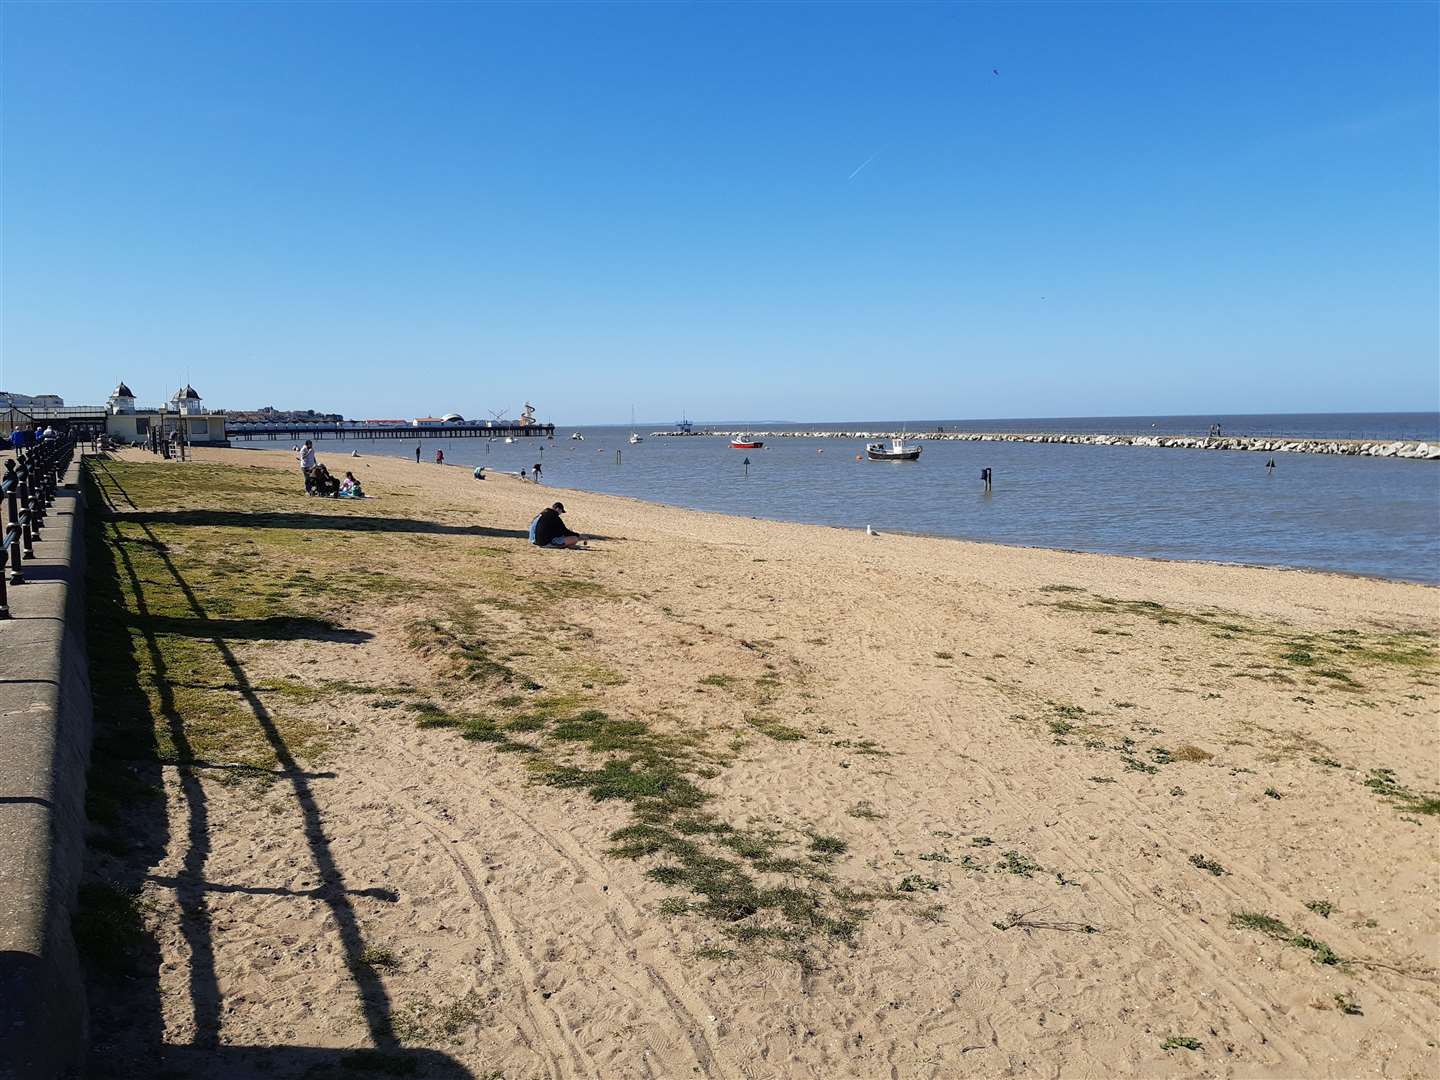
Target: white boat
(577, 436)
(634, 438)
(896, 450)
(634, 435)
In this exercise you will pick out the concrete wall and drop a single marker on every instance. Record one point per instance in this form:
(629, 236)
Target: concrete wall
(45, 725)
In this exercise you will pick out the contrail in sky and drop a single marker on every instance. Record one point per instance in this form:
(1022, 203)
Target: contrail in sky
(862, 165)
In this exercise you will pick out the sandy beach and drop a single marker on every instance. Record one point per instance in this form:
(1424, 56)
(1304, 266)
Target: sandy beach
(724, 797)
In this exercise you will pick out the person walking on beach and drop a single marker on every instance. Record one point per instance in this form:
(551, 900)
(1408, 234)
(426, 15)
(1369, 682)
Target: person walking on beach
(417, 453)
(307, 466)
(536, 471)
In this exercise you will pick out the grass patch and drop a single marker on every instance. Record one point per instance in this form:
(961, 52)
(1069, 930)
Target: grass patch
(1014, 862)
(774, 729)
(1323, 908)
(1207, 864)
(1191, 754)
(1383, 782)
(1272, 927)
(1181, 1042)
(378, 956)
(109, 926)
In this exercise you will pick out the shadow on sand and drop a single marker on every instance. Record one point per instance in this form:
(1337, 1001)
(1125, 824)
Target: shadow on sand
(127, 1023)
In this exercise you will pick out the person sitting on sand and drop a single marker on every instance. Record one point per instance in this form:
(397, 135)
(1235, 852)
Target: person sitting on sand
(439, 457)
(479, 472)
(549, 529)
(350, 487)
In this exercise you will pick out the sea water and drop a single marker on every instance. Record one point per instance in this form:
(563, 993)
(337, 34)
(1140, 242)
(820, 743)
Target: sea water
(1361, 515)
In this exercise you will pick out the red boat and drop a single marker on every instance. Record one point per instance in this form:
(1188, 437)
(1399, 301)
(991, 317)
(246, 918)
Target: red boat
(745, 444)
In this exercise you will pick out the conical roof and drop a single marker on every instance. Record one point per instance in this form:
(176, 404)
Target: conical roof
(122, 391)
(187, 394)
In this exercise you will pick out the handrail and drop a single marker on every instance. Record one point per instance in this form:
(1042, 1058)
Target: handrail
(27, 488)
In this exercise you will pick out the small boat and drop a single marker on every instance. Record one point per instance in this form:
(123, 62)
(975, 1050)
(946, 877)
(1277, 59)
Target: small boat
(897, 450)
(744, 442)
(577, 436)
(634, 435)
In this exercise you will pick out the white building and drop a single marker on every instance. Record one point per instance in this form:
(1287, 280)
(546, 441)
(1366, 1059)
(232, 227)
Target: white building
(30, 401)
(184, 413)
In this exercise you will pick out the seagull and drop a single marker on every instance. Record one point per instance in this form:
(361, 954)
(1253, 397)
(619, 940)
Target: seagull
(994, 71)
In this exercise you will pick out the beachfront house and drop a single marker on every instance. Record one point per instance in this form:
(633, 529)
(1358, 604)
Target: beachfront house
(185, 412)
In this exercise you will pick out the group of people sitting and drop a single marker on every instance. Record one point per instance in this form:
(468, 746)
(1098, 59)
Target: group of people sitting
(320, 481)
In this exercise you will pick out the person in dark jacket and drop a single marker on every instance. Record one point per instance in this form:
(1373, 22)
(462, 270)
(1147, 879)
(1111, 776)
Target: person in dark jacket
(549, 529)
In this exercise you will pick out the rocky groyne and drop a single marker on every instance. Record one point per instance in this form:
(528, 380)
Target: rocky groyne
(1268, 444)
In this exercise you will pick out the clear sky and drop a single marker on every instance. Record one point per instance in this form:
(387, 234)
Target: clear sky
(800, 211)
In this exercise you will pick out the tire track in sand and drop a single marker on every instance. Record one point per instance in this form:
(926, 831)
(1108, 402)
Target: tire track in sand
(585, 866)
(499, 927)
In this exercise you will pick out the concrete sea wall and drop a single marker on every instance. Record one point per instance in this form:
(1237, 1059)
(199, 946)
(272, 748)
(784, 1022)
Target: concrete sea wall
(45, 727)
(1426, 451)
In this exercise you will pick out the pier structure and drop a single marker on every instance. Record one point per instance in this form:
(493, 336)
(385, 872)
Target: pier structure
(1270, 444)
(359, 429)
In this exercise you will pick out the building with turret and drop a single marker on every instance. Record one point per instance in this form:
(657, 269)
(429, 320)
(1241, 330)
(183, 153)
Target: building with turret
(184, 414)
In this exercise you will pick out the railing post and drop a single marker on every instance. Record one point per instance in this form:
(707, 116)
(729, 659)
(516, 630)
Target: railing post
(13, 529)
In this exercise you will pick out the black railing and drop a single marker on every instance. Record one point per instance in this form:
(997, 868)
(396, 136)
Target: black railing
(27, 489)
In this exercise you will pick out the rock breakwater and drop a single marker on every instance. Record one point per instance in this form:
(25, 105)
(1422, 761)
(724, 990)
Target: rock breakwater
(1425, 451)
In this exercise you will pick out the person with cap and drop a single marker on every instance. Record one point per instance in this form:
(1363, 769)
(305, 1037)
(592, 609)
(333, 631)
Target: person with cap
(549, 529)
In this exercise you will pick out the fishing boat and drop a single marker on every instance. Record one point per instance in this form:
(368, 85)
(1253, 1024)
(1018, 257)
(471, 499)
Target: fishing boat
(634, 438)
(634, 435)
(745, 442)
(896, 450)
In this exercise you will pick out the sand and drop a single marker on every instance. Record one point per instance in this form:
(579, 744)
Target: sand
(1104, 732)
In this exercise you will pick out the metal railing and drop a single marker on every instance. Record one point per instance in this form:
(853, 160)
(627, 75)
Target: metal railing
(27, 489)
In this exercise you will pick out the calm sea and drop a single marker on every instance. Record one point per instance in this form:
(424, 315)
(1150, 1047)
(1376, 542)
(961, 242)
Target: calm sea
(1375, 516)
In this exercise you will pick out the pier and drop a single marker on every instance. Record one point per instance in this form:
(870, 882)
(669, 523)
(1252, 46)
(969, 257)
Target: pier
(291, 432)
(1269, 444)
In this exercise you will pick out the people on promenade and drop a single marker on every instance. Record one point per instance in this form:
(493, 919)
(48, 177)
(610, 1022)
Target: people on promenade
(549, 529)
(307, 466)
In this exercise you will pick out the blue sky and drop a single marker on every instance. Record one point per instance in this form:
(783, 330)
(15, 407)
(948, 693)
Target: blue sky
(395, 210)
